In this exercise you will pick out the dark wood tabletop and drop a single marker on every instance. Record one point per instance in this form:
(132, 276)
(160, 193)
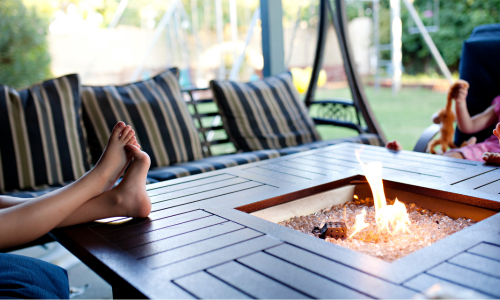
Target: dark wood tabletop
(201, 242)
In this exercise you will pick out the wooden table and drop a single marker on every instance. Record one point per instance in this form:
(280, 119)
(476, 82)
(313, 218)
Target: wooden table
(196, 243)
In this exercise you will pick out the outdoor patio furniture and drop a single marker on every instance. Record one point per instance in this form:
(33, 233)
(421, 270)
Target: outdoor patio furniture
(204, 238)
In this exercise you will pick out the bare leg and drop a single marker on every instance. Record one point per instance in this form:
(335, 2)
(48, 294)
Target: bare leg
(31, 219)
(454, 154)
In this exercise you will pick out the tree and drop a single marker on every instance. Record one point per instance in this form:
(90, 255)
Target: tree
(24, 55)
(457, 19)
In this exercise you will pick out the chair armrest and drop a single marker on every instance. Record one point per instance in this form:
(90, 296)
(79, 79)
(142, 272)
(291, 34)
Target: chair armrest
(428, 134)
(322, 121)
(337, 112)
(345, 102)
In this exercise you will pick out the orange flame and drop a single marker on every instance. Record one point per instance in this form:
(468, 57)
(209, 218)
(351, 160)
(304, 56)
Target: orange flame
(387, 217)
(360, 223)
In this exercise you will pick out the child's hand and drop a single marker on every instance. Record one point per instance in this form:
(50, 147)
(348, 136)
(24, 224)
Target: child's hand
(460, 93)
(394, 145)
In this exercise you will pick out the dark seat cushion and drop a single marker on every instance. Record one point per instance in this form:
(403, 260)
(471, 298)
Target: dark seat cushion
(41, 137)
(264, 114)
(210, 164)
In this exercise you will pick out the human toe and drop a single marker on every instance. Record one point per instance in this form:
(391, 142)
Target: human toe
(118, 129)
(129, 136)
(125, 132)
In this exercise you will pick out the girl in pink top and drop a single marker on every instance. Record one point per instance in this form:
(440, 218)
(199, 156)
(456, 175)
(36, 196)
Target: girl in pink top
(470, 125)
(489, 150)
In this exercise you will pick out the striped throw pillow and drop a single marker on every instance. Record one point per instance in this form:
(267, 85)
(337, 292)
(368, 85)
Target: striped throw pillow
(156, 111)
(264, 114)
(41, 137)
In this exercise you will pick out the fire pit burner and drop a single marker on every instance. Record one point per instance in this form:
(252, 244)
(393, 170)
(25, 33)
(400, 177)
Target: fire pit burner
(426, 228)
(336, 230)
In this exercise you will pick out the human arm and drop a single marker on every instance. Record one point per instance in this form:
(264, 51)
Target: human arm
(466, 123)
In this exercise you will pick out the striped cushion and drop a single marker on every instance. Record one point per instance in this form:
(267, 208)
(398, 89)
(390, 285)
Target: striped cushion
(41, 138)
(155, 110)
(264, 114)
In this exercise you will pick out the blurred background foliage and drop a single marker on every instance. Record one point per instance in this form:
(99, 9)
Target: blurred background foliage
(457, 19)
(24, 57)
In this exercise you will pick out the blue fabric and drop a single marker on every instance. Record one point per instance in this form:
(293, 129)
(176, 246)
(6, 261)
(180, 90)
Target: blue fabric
(29, 278)
(210, 164)
(480, 66)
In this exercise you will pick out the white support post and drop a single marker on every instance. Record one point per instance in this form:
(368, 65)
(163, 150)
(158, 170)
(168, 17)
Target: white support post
(396, 45)
(220, 38)
(233, 18)
(235, 69)
(425, 34)
(159, 28)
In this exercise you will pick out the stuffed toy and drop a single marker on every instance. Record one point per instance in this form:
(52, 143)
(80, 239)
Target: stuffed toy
(447, 117)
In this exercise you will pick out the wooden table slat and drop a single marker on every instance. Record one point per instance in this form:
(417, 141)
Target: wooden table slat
(291, 171)
(196, 190)
(425, 281)
(486, 250)
(184, 239)
(189, 184)
(479, 180)
(304, 168)
(492, 187)
(185, 252)
(468, 278)
(167, 232)
(350, 277)
(210, 259)
(274, 174)
(477, 263)
(309, 283)
(142, 228)
(253, 283)
(205, 286)
(306, 161)
(205, 195)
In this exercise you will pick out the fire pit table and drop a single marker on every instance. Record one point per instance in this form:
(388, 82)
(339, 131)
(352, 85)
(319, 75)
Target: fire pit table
(215, 235)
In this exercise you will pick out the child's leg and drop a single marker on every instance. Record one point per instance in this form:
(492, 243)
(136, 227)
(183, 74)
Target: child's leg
(32, 219)
(128, 199)
(454, 154)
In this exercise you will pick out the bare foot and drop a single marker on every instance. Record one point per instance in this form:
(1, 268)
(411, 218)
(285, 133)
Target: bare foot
(394, 145)
(131, 192)
(491, 158)
(114, 159)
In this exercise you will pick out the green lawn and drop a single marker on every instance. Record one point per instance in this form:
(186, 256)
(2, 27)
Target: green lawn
(403, 117)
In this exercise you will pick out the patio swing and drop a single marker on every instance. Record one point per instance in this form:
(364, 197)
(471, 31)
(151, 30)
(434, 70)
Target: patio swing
(356, 115)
